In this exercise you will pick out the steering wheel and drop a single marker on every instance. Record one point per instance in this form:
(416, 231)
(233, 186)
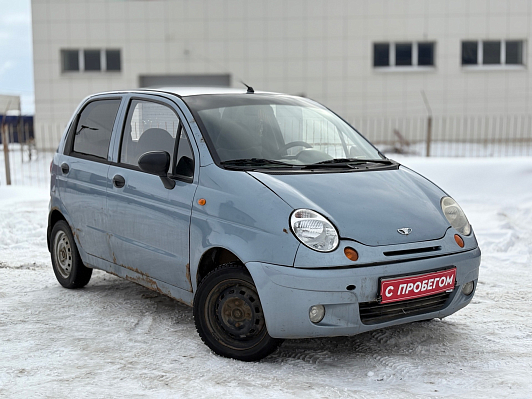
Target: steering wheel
(287, 146)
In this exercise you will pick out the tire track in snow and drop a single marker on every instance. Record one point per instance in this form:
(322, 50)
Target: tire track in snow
(142, 326)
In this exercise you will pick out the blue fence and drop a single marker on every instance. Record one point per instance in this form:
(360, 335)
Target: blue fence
(19, 128)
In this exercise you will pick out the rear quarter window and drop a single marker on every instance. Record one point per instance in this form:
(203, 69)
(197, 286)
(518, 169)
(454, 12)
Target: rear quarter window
(94, 127)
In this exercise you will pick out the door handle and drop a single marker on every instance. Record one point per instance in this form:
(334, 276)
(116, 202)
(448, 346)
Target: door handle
(65, 168)
(119, 181)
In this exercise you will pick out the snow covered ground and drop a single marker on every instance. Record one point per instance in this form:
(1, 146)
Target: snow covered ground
(116, 339)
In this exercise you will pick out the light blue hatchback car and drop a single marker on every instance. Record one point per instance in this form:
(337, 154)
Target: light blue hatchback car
(267, 213)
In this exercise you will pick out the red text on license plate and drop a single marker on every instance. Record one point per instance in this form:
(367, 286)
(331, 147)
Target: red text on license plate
(410, 287)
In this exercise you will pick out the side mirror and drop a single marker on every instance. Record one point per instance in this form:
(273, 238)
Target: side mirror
(157, 163)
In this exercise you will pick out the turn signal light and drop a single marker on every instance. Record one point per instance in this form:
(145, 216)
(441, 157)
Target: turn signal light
(351, 254)
(202, 201)
(459, 240)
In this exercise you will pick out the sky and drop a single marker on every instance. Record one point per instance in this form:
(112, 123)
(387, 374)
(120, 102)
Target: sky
(16, 53)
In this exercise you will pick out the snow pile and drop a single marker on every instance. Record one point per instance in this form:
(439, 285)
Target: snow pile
(116, 339)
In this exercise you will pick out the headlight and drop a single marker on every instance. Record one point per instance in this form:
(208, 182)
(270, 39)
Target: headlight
(455, 215)
(313, 230)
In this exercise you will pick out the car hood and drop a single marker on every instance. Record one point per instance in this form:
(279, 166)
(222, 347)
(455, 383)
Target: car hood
(368, 207)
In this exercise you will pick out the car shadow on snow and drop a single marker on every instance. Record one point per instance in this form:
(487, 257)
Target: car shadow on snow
(431, 338)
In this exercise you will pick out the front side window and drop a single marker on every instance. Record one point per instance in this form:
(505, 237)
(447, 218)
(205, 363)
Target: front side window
(149, 126)
(94, 128)
(185, 157)
(276, 131)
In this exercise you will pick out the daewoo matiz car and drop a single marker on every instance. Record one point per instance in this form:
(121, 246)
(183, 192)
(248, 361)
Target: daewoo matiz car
(267, 213)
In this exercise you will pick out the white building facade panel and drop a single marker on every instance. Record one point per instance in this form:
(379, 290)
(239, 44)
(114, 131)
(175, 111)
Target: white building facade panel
(320, 49)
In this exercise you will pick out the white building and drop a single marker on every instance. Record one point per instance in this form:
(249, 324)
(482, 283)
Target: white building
(369, 60)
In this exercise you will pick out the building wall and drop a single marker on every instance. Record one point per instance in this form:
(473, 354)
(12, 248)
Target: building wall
(322, 49)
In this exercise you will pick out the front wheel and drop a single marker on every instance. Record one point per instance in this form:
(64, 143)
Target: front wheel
(66, 262)
(228, 315)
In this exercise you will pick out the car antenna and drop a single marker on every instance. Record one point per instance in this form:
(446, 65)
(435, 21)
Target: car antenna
(250, 89)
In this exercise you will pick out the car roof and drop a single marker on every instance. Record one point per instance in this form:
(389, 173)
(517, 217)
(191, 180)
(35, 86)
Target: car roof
(186, 91)
(195, 91)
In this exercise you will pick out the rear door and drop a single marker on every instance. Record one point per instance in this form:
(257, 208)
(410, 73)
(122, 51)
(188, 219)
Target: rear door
(149, 224)
(82, 179)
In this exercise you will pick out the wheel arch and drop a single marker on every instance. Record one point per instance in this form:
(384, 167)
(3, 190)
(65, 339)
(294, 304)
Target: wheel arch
(211, 259)
(54, 216)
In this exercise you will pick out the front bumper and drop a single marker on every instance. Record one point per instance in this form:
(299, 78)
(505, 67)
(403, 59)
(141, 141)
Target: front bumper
(287, 294)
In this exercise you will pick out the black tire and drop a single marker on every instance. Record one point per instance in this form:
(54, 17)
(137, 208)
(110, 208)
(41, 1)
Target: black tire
(66, 262)
(228, 315)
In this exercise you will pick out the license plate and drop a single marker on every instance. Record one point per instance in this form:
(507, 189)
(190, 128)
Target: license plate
(410, 287)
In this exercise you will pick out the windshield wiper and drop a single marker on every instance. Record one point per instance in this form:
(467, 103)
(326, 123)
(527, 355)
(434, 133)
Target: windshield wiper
(253, 162)
(352, 161)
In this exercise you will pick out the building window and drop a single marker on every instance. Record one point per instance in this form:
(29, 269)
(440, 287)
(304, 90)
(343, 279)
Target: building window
(514, 52)
(492, 52)
(469, 53)
(113, 60)
(70, 60)
(381, 54)
(425, 54)
(403, 54)
(407, 55)
(91, 60)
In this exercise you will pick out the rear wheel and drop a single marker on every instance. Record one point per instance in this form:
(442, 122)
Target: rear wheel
(229, 317)
(66, 262)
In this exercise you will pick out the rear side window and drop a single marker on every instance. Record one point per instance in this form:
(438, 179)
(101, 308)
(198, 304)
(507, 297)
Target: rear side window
(94, 128)
(149, 127)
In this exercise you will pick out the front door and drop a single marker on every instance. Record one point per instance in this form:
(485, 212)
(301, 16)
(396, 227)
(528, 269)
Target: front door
(149, 224)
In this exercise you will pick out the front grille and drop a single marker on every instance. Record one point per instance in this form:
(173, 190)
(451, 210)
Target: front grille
(374, 312)
(412, 251)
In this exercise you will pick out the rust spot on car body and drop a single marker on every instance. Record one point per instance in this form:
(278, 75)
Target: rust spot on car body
(285, 231)
(134, 269)
(143, 280)
(76, 232)
(146, 282)
(188, 276)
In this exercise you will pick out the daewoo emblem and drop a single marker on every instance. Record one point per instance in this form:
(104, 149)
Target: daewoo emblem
(404, 231)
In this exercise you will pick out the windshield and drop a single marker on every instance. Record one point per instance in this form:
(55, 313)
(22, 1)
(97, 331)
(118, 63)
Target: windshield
(276, 131)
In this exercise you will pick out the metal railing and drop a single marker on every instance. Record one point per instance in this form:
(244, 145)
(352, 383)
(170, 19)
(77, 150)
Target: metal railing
(451, 136)
(28, 161)
(21, 163)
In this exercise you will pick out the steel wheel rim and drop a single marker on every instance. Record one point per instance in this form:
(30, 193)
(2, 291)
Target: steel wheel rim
(236, 315)
(63, 254)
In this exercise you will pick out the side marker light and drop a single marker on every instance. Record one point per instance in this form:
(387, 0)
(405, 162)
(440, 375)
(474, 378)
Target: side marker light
(351, 254)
